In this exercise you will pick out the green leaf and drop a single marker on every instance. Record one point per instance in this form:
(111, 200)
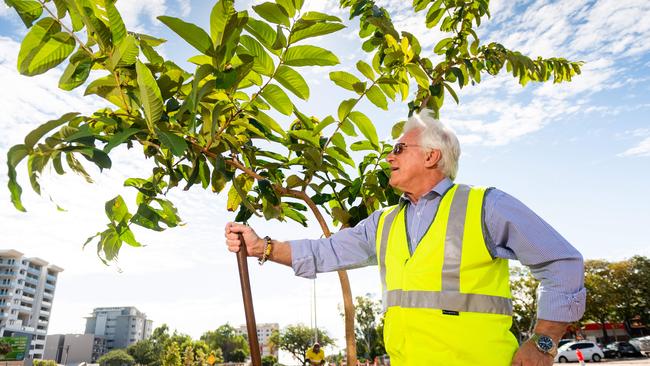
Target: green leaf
(262, 32)
(272, 12)
(100, 158)
(309, 56)
(263, 63)
(314, 15)
(267, 121)
(418, 74)
(315, 30)
(377, 97)
(191, 33)
(293, 81)
(115, 22)
(365, 126)
(294, 215)
(125, 53)
(366, 70)
(277, 98)
(77, 71)
(434, 14)
(150, 97)
(44, 47)
(396, 131)
(340, 155)
(304, 135)
(288, 7)
(116, 210)
(176, 144)
(442, 45)
(323, 123)
(28, 10)
(344, 79)
(35, 135)
(452, 92)
(345, 107)
(14, 156)
(241, 185)
(221, 13)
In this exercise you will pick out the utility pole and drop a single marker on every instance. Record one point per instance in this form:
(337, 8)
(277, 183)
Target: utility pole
(67, 350)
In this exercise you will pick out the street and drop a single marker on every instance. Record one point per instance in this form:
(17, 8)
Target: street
(624, 362)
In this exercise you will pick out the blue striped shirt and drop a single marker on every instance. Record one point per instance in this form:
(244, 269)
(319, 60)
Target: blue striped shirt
(513, 231)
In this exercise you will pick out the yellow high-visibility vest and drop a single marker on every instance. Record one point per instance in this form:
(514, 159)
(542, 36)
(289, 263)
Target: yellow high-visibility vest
(449, 302)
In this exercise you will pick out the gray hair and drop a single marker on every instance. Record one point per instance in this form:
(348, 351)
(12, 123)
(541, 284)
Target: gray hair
(435, 135)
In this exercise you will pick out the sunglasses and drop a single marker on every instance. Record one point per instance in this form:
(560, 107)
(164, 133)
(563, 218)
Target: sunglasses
(400, 146)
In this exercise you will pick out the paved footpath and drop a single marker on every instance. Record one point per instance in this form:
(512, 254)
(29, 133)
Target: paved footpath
(625, 362)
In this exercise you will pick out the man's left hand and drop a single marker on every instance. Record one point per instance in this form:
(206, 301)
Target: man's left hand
(529, 355)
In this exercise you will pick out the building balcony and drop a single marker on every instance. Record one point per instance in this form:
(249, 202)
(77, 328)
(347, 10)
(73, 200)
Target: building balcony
(34, 271)
(9, 274)
(51, 278)
(45, 312)
(27, 298)
(48, 295)
(3, 315)
(29, 290)
(25, 309)
(32, 280)
(6, 294)
(48, 286)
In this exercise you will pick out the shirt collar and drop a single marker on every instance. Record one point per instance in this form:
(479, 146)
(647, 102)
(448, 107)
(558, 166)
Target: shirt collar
(437, 191)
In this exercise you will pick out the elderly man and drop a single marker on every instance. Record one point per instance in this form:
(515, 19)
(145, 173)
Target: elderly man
(443, 256)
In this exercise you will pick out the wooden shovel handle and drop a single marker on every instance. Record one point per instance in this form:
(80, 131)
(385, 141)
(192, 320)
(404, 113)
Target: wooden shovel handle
(251, 326)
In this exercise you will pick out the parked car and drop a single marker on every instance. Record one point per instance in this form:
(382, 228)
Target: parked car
(642, 344)
(621, 349)
(589, 349)
(562, 342)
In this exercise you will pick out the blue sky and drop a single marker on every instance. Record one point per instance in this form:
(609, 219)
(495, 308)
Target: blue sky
(577, 153)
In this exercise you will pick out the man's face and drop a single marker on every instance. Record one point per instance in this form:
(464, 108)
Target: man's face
(409, 165)
(316, 349)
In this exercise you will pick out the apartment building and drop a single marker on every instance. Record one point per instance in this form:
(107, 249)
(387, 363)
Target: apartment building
(120, 326)
(73, 349)
(264, 331)
(26, 294)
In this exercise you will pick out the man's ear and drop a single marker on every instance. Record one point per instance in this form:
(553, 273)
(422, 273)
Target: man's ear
(433, 158)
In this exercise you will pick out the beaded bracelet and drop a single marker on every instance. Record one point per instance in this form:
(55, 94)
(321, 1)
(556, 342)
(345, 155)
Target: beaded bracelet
(267, 251)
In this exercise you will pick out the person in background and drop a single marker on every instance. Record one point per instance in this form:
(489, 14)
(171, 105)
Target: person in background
(443, 254)
(581, 357)
(315, 356)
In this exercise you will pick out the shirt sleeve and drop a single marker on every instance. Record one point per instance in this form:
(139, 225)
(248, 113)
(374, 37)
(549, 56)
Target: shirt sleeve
(516, 232)
(349, 248)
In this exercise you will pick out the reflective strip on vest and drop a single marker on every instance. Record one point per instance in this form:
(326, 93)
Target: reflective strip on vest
(450, 298)
(445, 300)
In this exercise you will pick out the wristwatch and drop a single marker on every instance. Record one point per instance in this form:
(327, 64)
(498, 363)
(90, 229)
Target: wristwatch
(544, 344)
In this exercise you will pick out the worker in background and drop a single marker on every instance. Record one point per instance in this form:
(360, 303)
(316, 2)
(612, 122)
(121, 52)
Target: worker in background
(315, 356)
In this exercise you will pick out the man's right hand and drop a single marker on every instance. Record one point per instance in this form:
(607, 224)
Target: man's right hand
(254, 244)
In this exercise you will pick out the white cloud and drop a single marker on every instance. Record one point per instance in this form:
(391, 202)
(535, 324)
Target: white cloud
(132, 11)
(185, 7)
(642, 149)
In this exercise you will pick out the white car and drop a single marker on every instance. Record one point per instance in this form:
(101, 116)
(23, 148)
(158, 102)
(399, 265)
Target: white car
(591, 351)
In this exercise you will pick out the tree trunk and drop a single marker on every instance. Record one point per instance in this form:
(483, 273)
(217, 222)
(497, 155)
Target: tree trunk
(348, 310)
(605, 336)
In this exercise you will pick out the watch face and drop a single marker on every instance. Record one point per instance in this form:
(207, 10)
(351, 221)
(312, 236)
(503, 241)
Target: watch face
(545, 343)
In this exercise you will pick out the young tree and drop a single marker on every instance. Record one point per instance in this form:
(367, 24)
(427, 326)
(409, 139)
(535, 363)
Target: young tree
(209, 126)
(368, 327)
(296, 339)
(233, 345)
(269, 360)
(143, 352)
(117, 357)
(524, 301)
(172, 355)
(601, 303)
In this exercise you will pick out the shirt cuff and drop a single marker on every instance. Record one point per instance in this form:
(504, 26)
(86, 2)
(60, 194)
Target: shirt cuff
(561, 307)
(302, 259)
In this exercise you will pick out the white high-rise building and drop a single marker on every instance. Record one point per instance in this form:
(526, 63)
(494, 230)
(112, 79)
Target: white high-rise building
(26, 295)
(120, 326)
(264, 331)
